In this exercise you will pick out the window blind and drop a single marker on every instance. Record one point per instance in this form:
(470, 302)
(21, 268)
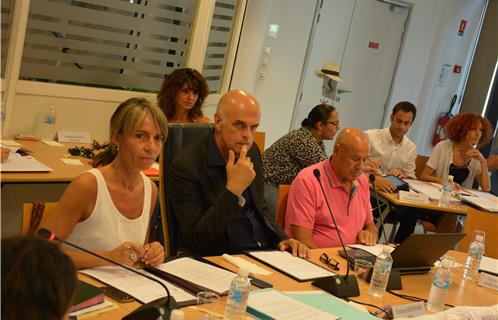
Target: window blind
(125, 44)
(7, 11)
(219, 42)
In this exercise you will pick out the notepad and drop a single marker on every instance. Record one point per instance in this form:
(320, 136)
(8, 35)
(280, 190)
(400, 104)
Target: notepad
(297, 268)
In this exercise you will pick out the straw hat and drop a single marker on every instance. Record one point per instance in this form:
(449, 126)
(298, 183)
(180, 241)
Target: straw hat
(330, 70)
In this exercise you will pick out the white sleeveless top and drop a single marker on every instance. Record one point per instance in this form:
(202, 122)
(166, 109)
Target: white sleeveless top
(106, 228)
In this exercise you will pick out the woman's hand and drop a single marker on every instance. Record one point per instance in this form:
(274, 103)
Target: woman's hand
(154, 254)
(127, 253)
(476, 154)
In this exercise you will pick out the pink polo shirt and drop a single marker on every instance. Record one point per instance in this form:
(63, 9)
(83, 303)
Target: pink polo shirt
(306, 206)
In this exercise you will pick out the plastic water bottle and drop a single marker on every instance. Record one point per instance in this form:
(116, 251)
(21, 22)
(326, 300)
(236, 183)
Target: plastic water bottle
(49, 119)
(446, 193)
(238, 296)
(381, 272)
(440, 286)
(476, 251)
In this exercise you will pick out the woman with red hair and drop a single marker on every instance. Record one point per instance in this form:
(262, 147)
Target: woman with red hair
(458, 155)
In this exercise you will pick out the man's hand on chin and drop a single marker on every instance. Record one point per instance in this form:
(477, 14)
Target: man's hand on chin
(366, 237)
(297, 248)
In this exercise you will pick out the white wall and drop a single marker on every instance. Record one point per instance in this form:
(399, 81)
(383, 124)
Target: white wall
(447, 48)
(276, 93)
(427, 44)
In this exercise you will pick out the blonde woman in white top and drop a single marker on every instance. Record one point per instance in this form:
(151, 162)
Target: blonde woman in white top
(108, 209)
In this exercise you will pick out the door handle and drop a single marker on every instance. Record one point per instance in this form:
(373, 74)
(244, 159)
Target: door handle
(341, 91)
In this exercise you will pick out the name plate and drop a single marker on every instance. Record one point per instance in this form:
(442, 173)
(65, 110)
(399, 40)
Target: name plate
(488, 281)
(409, 310)
(68, 136)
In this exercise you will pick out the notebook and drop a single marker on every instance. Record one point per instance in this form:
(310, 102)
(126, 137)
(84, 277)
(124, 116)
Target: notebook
(416, 254)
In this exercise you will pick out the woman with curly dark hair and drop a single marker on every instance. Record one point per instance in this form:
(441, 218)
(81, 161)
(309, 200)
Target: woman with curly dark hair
(458, 155)
(181, 96)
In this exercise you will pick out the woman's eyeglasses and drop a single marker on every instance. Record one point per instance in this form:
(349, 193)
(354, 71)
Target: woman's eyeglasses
(330, 262)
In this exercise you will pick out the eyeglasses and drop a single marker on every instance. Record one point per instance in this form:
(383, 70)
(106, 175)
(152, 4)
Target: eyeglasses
(330, 262)
(335, 123)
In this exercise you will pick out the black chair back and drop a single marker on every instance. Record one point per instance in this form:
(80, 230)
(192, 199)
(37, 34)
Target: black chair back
(180, 135)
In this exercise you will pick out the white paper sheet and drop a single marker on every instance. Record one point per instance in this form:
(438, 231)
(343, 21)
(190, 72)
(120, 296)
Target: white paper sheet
(53, 143)
(434, 193)
(278, 306)
(200, 273)
(484, 200)
(489, 264)
(73, 162)
(300, 268)
(18, 163)
(375, 250)
(140, 288)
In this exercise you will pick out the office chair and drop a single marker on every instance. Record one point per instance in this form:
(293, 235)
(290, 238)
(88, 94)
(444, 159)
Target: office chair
(180, 135)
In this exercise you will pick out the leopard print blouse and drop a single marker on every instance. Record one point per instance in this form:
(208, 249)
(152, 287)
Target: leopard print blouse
(293, 152)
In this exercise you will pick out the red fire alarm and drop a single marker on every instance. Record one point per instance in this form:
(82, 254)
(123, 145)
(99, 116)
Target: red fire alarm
(373, 45)
(457, 68)
(461, 28)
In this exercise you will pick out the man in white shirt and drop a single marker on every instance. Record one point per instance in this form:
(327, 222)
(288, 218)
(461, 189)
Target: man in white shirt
(392, 153)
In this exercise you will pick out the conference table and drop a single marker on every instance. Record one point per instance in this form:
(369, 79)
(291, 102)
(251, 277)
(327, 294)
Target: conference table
(460, 293)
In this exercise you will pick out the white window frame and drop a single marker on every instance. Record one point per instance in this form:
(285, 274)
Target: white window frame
(11, 85)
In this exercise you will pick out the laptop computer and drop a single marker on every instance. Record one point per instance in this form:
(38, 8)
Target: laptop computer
(416, 254)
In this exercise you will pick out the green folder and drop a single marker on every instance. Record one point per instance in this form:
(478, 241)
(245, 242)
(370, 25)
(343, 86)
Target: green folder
(330, 304)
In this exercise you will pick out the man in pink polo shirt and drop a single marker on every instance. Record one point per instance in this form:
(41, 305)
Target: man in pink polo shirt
(308, 219)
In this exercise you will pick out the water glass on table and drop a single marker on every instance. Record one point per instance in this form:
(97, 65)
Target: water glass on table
(362, 268)
(208, 304)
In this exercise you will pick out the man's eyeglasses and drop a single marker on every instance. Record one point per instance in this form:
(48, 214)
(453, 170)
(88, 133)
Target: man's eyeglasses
(334, 123)
(330, 262)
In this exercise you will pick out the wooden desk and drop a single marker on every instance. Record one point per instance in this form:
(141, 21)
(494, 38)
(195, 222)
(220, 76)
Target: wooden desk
(460, 293)
(51, 156)
(392, 200)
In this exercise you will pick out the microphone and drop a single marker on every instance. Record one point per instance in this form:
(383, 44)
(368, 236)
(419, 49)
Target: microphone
(339, 286)
(158, 309)
(371, 177)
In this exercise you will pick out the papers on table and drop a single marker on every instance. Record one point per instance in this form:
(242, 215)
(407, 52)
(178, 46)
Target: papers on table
(239, 262)
(483, 200)
(375, 250)
(140, 288)
(199, 273)
(73, 162)
(18, 163)
(431, 191)
(295, 267)
(489, 265)
(10, 143)
(53, 143)
(271, 304)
